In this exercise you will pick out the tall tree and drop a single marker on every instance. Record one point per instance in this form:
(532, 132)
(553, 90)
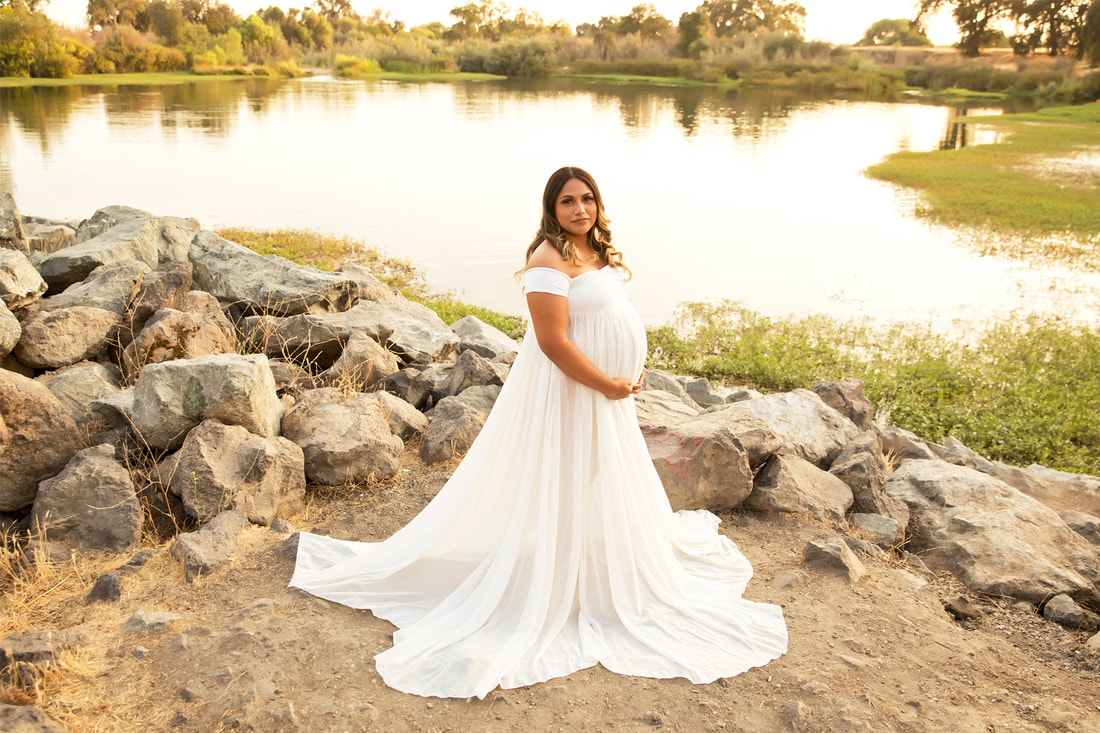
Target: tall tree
(1056, 25)
(975, 19)
(894, 32)
(115, 12)
(730, 17)
(1091, 35)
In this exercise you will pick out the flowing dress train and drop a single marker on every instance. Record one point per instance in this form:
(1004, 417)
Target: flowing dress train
(553, 547)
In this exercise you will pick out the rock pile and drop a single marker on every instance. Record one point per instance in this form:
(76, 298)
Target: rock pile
(149, 364)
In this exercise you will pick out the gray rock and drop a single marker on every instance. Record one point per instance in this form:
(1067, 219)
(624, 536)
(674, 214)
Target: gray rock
(701, 463)
(699, 390)
(290, 377)
(111, 411)
(362, 365)
(224, 467)
(370, 287)
(1058, 489)
(134, 239)
(454, 426)
(46, 236)
(20, 283)
(1093, 644)
(864, 472)
(23, 655)
(756, 437)
(808, 427)
(787, 483)
(165, 287)
(27, 719)
(11, 225)
(900, 445)
(398, 383)
(10, 330)
(835, 557)
(77, 386)
(657, 408)
(470, 370)
(344, 439)
(172, 334)
(201, 302)
(172, 397)
(288, 548)
(109, 287)
(59, 338)
(37, 439)
(862, 547)
(481, 398)
(741, 395)
(995, 539)
(149, 622)
(428, 385)
(174, 234)
(266, 285)
(107, 588)
(954, 451)
(885, 531)
(281, 526)
(405, 420)
(481, 338)
(1083, 524)
(667, 382)
(963, 609)
(847, 398)
(419, 336)
(1061, 609)
(91, 504)
(313, 339)
(208, 548)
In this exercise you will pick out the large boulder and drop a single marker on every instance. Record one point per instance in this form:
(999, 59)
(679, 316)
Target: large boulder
(428, 386)
(900, 445)
(667, 382)
(11, 225)
(46, 235)
(58, 338)
(862, 467)
(165, 287)
(471, 370)
(173, 334)
(657, 408)
(481, 397)
(481, 338)
(315, 339)
(789, 483)
(757, 438)
(77, 386)
(405, 420)
(109, 287)
(37, 439)
(808, 427)
(270, 285)
(174, 233)
(1063, 490)
(454, 426)
(10, 330)
(418, 335)
(172, 397)
(363, 364)
(699, 390)
(1086, 525)
(91, 504)
(995, 539)
(20, 283)
(134, 239)
(701, 463)
(224, 467)
(344, 438)
(847, 398)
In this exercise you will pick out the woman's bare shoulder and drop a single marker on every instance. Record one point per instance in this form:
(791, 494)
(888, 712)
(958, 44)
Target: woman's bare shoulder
(546, 256)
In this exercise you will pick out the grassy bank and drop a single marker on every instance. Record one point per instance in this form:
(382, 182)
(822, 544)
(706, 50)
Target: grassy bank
(1038, 189)
(328, 252)
(1027, 391)
(152, 77)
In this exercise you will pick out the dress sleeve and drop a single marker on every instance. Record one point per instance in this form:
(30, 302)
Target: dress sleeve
(546, 280)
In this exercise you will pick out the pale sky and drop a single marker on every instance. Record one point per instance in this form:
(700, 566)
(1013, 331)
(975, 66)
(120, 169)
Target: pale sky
(838, 21)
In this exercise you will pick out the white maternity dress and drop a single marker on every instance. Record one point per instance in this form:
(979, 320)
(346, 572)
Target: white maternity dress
(553, 547)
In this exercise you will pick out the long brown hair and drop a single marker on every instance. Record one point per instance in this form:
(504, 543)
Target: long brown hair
(599, 236)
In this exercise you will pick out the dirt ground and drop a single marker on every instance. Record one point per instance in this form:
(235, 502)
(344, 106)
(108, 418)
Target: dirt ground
(248, 653)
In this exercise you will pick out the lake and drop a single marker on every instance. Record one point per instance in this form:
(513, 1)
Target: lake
(755, 196)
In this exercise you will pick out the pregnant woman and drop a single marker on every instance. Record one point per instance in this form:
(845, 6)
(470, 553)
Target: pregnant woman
(553, 546)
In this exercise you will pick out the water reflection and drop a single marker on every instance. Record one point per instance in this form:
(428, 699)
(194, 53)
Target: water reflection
(714, 193)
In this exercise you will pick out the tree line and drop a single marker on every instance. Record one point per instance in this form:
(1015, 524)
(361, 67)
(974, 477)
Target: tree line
(719, 38)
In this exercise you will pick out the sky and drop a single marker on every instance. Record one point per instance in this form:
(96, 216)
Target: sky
(838, 21)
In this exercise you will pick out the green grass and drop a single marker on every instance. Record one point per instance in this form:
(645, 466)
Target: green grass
(1025, 391)
(428, 76)
(666, 81)
(328, 252)
(157, 77)
(1022, 188)
(954, 94)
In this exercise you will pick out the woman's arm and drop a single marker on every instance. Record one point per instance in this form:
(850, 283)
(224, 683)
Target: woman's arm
(550, 320)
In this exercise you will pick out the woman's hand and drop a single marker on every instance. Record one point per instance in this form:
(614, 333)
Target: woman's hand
(620, 388)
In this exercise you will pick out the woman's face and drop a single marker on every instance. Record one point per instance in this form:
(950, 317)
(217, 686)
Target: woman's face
(575, 209)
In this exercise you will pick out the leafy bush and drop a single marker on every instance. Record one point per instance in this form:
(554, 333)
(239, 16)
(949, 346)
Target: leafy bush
(131, 51)
(352, 66)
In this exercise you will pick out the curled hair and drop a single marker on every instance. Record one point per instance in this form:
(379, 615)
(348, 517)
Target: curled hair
(550, 231)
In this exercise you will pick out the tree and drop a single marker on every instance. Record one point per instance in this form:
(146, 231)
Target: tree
(256, 32)
(114, 12)
(334, 10)
(690, 42)
(730, 17)
(1090, 40)
(320, 30)
(219, 18)
(1056, 25)
(165, 19)
(643, 20)
(894, 32)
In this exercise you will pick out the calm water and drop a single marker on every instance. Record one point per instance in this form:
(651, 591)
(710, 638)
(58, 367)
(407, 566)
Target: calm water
(752, 196)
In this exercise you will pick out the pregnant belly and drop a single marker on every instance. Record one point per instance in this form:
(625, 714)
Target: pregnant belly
(615, 342)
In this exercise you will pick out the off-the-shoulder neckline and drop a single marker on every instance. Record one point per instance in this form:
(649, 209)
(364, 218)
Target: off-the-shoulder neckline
(551, 269)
